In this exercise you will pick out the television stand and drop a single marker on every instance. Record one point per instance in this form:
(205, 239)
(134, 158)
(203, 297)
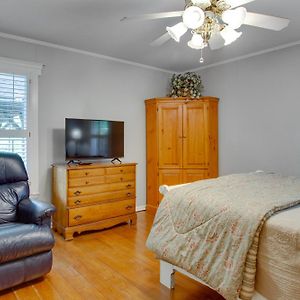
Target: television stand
(116, 159)
(93, 197)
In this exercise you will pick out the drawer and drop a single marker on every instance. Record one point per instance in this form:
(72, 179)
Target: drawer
(82, 200)
(120, 170)
(86, 173)
(120, 177)
(95, 189)
(94, 213)
(83, 181)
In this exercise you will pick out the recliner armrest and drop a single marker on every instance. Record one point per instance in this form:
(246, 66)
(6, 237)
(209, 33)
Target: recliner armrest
(35, 212)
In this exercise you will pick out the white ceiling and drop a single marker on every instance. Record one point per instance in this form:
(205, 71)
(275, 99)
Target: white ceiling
(94, 25)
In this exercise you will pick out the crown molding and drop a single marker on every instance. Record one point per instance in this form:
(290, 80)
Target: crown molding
(242, 57)
(78, 51)
(123, 61)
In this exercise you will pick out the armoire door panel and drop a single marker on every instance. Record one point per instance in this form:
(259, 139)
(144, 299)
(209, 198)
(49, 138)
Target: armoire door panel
(195, 135)
(192, 175)
(170, 135)
(170, 177)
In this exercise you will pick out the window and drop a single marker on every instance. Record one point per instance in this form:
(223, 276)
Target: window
(19, 113)
(13, 114)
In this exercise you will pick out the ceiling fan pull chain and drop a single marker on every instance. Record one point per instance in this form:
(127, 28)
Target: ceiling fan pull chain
(201, 58)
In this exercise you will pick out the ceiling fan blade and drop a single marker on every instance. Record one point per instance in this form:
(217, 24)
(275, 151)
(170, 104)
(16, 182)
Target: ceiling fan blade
(236, 3)
(161, 40)
(216, 41)
(267, 22)
(171, 14)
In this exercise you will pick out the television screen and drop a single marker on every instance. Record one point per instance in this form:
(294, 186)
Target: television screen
(90, 139)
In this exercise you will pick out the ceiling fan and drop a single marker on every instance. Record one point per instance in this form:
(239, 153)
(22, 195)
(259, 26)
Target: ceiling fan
(212, 22)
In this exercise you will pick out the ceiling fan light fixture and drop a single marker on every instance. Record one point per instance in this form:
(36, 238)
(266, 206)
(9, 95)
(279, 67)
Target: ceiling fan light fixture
(193, 17)
(202, 3)
(235, 18)
(177, 31)
(196, 42)
(230, 35)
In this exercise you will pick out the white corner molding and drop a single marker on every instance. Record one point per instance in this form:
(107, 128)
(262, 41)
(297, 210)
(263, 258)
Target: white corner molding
(78, 51)
(242, 57)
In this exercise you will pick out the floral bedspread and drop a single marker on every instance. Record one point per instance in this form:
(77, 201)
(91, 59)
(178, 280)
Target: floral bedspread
(208, 227)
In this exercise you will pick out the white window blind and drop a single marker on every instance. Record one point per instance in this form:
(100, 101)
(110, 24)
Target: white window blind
(13, 114)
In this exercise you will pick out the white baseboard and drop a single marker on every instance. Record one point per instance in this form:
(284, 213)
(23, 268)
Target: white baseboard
(140, 208)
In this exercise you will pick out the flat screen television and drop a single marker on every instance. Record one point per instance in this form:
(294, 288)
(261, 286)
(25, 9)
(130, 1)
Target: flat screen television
(94, 139)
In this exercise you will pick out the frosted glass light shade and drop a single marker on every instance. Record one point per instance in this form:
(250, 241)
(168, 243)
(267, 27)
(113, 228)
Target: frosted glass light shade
(177, 31)
(230, 35)
(193, 17)
(202, 3)
(235, 17)
(196, 42)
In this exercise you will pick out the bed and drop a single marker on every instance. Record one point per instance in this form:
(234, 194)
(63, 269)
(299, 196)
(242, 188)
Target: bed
(278, 259)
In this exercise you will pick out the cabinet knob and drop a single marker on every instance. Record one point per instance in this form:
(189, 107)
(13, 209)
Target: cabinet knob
(121, 179)
(129, 207)
(86, 173)
(128, 194)
(86, 182)
(77, 202)
(77, 218)
(129, 185)
(77, 193)
(121, 170)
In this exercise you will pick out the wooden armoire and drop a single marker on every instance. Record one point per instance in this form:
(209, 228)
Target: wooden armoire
(182, 143)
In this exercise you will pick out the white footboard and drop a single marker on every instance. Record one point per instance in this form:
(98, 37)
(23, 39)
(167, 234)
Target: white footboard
(163, 189)
(167, 273)
(167, 278)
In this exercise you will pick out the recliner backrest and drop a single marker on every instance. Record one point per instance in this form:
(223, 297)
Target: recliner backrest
(13, 185)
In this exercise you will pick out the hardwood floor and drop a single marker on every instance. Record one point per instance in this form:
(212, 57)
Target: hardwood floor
(109, 264)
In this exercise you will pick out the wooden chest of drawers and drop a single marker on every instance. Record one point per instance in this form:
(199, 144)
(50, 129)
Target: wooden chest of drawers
(92, 197)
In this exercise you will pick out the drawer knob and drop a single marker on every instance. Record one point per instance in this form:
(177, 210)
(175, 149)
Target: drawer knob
(77, 193)
(129, 185)
(121, 170)
(86, 173)
(129, 207)
(77, 202)
(86, 182)
(121, 178)
(128, 194)
(77, 218)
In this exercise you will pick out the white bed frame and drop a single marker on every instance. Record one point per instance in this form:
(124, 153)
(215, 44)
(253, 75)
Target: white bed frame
(167, 270)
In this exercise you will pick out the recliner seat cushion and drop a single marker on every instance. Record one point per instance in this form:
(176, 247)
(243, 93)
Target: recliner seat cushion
(22, 240)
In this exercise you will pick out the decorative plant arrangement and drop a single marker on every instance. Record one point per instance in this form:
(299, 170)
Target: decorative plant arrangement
(186, 85)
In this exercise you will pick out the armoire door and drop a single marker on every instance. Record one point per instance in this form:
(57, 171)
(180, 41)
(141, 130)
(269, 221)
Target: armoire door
(195, 135)
(169, 177)
(170, 135)
(191, 175)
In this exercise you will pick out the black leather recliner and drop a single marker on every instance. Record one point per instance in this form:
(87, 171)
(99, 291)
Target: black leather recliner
(26, 239)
